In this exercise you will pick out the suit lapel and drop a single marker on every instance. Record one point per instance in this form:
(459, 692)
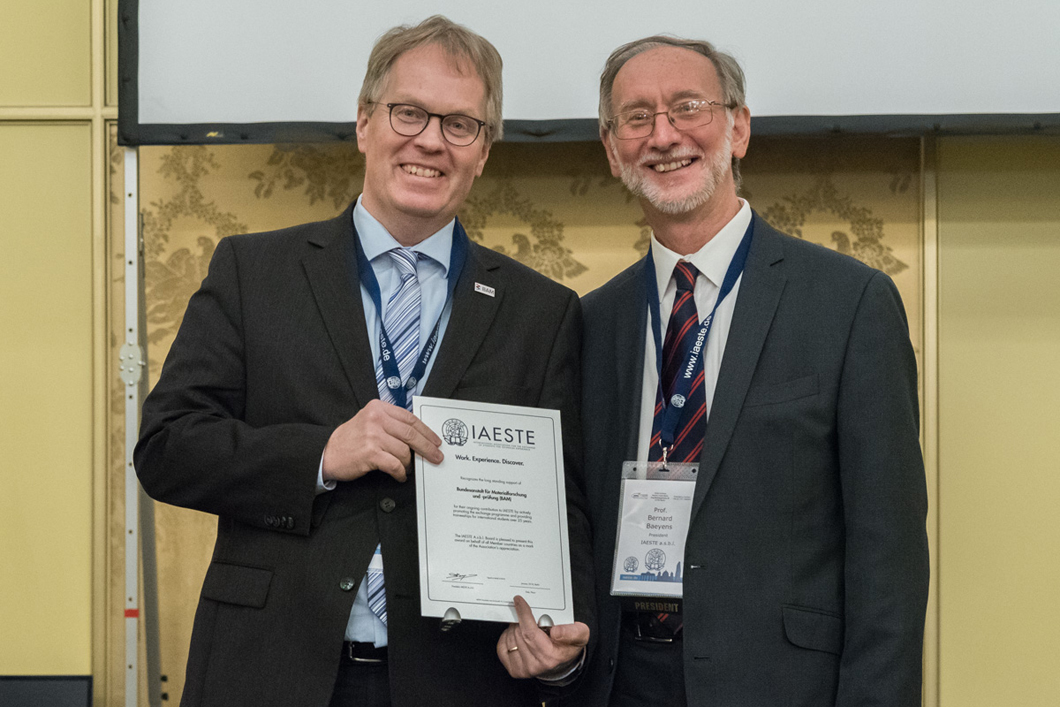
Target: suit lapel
(629, 357)
(756, 303)
(469, 322)
(623, 328)
(332, 273)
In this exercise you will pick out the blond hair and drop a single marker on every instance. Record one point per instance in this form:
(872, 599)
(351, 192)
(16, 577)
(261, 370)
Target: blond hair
(459, 42)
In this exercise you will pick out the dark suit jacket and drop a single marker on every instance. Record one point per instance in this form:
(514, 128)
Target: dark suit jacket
(272, 355)
(806, 563)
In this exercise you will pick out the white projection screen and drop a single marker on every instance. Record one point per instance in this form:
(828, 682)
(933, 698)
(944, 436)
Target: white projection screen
(230, 71)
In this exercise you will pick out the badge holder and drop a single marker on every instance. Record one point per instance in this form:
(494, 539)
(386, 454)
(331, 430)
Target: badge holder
(654, 510)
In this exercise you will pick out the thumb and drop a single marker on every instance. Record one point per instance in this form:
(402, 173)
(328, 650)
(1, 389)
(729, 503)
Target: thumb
(575, 634)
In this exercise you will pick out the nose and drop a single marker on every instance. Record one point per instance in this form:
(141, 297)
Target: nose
(430, 138)
(664, 134)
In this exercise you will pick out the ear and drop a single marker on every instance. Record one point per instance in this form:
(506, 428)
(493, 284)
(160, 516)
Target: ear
(486, 145)
(362, 127)
(609, 148)
(741, 131)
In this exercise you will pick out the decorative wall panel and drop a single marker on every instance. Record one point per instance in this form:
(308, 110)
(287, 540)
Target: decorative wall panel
(554, 207)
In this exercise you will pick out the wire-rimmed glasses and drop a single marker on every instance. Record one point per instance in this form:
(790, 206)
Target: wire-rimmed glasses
(640, 122)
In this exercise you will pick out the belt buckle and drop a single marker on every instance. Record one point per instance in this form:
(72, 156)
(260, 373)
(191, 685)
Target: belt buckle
(359, 659)
(638, 636)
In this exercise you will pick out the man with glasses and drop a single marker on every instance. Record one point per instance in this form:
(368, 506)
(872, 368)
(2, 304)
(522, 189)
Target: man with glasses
(284, 409)
(776, 379)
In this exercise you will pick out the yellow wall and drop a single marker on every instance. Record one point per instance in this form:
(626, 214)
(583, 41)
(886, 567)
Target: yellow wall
(999, 415)
(998, 203)
(45, 52)
(46, 389)
(48, 338)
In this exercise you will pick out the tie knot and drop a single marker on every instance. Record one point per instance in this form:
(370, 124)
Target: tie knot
(405, 261)
(685, 275)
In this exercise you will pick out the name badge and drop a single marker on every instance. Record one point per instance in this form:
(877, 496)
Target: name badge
(655, 506)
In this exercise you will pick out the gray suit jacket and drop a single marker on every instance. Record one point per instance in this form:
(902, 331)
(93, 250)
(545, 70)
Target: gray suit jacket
(806, 564)
(272, 355)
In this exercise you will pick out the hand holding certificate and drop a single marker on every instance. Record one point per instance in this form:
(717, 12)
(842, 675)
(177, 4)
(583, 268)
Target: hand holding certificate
(528, 651)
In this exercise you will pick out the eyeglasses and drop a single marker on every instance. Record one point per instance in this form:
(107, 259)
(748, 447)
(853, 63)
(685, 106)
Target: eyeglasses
(409, 120)
(640, 123)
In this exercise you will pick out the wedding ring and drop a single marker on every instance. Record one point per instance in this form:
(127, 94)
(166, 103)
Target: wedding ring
(513, 649)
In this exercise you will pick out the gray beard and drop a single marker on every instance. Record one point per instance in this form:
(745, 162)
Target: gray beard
(644, 188)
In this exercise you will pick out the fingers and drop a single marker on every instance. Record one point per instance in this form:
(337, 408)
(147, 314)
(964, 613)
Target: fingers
(380, 436)
(527, 651)
(411, 431)
(575, 634)
(523, 612)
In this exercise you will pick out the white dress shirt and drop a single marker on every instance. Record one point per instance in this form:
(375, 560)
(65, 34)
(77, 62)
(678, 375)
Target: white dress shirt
(712, 261)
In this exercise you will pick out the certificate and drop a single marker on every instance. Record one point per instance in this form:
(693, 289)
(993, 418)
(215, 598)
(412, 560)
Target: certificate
(492, 517)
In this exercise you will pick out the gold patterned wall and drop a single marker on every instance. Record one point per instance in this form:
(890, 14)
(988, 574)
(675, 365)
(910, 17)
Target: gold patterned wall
(554, 207)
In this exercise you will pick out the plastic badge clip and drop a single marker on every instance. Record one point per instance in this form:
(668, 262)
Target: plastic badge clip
(450, 619)
(665, 466)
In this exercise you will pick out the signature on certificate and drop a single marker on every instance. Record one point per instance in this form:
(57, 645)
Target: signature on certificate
(457, 577)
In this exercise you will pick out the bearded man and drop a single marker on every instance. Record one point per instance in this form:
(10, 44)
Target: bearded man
(776, 378)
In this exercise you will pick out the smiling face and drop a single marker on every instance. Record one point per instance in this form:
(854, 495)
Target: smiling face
(415, 185)
(672, 171)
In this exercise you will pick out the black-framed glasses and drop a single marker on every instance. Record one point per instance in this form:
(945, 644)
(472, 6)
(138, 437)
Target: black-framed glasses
(640, 122)
(411, 120)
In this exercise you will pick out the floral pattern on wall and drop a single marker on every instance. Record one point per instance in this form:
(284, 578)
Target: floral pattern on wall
(554, 207)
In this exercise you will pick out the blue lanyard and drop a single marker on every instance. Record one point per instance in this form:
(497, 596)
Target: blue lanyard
(392, 375)
(693, 360)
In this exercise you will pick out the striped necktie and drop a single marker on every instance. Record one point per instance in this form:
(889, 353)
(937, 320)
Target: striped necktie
(402, 323)
(376, 590)
(680, 336)
(688, 437)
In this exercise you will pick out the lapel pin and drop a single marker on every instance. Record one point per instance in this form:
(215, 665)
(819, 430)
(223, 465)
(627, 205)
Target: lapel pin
(485, 289)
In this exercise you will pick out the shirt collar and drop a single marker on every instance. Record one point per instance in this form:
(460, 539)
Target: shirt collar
(712, 260)
(376, 240)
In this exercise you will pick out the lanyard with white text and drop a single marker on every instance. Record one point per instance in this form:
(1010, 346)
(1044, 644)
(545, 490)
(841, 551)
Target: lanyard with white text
(673, 408)
(457, 256)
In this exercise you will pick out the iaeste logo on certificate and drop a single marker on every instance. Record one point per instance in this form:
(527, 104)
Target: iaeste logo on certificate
(454, 432)
(457, 433)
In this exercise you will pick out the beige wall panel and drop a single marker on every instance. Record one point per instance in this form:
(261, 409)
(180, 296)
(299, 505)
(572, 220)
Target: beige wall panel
(999, 433)
(554, 207)
(45, 53)
(110, 56)
(45, 399)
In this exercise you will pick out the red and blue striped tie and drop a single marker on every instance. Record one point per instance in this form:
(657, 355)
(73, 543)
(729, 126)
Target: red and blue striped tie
(688, 437)
(680, 336)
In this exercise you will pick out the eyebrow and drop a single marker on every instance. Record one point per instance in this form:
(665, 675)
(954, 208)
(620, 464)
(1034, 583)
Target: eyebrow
(412, 102)
(685, 95)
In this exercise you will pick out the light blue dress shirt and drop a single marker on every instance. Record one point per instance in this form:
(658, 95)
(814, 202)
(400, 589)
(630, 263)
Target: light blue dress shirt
(432, 271)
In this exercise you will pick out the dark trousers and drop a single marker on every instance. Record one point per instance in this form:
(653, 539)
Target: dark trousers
(361, 685)
(648, 674)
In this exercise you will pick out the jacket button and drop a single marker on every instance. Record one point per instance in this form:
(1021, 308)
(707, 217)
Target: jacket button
(610, 665)
(387, 504)
(347, 584)
(270, 521)
(288, 522)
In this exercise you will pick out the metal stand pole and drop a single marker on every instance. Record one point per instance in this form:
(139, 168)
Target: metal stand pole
(139, 511)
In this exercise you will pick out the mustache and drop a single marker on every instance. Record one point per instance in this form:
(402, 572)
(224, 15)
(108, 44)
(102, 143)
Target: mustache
(675, 155)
